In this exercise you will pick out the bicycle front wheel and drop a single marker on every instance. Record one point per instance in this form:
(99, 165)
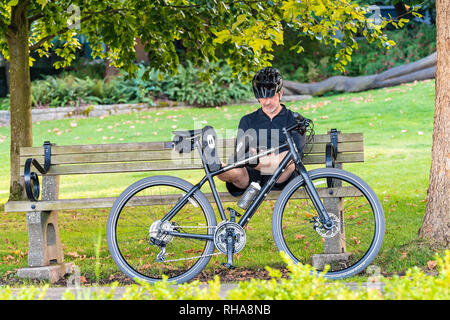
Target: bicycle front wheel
(136, 235)
(350, 246)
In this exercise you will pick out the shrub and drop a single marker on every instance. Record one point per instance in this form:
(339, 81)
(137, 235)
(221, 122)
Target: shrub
(188, 85)
(302, 284)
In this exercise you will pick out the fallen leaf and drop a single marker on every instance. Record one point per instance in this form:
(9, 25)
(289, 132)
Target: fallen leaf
(299, 236)
(73, 254)
(431, 264)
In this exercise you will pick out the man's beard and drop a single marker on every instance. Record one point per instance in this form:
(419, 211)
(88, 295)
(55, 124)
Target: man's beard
(270, 108)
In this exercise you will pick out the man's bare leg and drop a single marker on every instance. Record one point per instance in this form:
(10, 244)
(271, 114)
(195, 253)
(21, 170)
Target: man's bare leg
(237, 176)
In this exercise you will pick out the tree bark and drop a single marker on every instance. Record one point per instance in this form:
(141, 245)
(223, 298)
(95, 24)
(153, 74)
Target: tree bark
(20, 93)
(436, 222)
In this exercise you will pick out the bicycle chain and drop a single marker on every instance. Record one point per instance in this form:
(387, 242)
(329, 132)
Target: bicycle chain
(195, 257)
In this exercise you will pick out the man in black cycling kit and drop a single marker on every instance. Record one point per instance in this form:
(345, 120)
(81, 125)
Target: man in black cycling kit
(264, 126)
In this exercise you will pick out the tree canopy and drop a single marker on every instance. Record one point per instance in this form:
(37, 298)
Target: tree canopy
(243, 31)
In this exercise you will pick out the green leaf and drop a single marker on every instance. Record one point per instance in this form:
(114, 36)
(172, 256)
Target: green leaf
(240, 19)
(43, 3)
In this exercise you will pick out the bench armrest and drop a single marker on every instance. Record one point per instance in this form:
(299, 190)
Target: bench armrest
(31, 178)
(331, 149)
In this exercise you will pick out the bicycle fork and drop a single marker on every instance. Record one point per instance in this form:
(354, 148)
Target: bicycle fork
(311, 190)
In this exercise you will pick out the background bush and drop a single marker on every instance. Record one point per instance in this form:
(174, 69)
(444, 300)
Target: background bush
(186, 86)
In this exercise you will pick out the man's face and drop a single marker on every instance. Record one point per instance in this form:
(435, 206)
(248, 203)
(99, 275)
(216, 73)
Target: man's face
(272, 104)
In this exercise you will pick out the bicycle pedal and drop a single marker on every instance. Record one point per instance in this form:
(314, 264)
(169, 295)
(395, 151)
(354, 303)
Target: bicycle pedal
(228, 266)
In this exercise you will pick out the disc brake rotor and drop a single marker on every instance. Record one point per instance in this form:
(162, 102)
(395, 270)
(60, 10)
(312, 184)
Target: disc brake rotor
(324, 233)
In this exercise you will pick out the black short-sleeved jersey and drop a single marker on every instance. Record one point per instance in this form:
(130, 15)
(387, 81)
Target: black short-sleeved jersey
(267, 131)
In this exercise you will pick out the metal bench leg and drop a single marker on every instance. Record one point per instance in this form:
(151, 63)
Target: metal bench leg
(45, 254)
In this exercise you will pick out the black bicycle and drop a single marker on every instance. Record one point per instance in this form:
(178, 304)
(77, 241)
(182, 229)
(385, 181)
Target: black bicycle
(164, 225)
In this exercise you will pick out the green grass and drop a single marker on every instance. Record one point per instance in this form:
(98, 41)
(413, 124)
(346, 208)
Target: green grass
(397, 124)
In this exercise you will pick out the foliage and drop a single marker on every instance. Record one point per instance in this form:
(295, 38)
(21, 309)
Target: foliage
(30, 293)
(68, 90)
(244, 31)
(416, 285)
(221, 88)
(185, 86)
(412, 44)
(302, 284)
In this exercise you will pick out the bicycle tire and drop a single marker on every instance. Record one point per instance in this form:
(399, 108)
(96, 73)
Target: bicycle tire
(114, 220)
(338, 174)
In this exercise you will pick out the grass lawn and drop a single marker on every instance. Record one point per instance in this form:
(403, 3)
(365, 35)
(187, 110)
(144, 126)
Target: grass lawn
(397, 124)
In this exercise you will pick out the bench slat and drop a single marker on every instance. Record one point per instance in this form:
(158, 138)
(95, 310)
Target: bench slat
(166, 154)
(95, 203)
(157, 146)
(182, 164)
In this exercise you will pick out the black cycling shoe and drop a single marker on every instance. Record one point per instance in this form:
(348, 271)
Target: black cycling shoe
(209, 146)
(242, 152)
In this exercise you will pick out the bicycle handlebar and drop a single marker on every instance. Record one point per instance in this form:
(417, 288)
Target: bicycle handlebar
(301, 124)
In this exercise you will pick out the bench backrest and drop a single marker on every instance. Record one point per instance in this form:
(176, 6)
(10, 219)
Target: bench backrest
(159, 156)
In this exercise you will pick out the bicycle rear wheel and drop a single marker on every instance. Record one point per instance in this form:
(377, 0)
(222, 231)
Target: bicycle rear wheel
(135, 233)
(359, 223)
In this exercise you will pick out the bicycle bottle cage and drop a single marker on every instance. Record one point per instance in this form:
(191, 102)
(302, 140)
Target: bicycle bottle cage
(31, 179)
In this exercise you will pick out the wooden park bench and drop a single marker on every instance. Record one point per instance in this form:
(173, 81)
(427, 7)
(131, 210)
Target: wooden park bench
(45, 254)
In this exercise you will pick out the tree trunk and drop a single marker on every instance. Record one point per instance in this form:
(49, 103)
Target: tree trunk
(422, 69)
(20, 93)
(436, 223)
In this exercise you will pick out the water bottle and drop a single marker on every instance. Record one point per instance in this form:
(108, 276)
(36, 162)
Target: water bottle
(249, 195)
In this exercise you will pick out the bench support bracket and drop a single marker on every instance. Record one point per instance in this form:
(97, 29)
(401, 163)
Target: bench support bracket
(45, 254)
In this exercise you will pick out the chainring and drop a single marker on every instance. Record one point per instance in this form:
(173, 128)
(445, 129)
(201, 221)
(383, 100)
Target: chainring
(220, 236)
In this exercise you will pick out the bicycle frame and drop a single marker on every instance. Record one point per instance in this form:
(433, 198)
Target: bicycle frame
(245, 218)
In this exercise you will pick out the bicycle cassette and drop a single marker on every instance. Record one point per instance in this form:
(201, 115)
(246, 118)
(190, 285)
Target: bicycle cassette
(220, 236)
(157, 232)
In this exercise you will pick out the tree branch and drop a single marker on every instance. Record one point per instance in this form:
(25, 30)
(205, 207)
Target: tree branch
(62, 31)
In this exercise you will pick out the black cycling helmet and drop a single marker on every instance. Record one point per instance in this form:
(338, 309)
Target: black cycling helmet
(266, 83)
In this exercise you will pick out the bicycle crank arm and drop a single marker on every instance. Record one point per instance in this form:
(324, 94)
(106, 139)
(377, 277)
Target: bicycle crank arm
(230, 246)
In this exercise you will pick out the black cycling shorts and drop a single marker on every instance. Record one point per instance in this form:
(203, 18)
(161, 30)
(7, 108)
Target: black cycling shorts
(255, 175)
